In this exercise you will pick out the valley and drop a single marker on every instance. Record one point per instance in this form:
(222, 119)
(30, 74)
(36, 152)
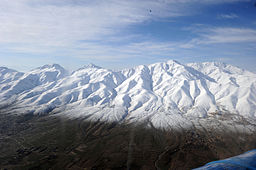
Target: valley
(54, 142)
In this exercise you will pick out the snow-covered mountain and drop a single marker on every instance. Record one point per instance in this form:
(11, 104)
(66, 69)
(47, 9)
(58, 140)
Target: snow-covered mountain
(158, 93)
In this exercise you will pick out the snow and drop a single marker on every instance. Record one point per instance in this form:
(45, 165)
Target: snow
(166, 93)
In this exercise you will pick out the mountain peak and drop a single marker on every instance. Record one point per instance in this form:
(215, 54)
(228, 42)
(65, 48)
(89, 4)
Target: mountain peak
(173, 62)
(48, 66)
(5, 69)
(91, 65)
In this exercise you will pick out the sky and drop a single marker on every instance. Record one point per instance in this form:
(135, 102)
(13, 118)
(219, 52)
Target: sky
(119, 34)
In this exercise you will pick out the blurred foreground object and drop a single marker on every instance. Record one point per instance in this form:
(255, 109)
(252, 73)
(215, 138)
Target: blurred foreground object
(243, 161)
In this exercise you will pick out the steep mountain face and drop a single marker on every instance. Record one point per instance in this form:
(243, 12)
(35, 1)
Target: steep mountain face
(234, 90)
(27, 86)
(162, 93)
(7, 76)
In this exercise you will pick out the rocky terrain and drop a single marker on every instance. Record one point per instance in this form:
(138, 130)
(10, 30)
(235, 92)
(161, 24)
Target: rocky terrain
(54, 142)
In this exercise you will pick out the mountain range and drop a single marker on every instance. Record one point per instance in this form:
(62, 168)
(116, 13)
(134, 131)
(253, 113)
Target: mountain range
(163, 94)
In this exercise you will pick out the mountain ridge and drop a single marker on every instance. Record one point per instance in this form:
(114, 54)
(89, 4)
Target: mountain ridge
(155, 92)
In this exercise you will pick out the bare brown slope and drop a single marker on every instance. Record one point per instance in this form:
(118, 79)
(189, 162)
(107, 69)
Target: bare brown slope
(51, 142)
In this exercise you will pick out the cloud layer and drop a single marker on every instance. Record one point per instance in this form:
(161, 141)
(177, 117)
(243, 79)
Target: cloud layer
(222, 35)
(68, 21)
(100, 29)
(64, 21)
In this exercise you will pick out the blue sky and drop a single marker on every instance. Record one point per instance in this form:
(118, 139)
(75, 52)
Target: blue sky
(118, 34)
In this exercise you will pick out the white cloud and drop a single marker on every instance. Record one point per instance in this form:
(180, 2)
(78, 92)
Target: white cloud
(230, 35)
(68, 26)
(228, 16)
(221, 35)
(130, 50)
(64, 21)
